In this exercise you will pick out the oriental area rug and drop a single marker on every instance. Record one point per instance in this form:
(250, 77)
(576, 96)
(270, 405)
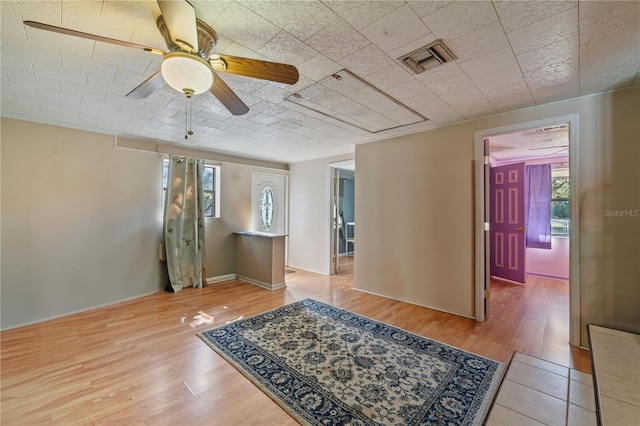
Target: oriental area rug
(328, 366)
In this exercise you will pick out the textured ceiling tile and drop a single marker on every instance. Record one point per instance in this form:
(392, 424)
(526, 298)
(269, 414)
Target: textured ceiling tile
(242, 84)
(506, 77)
(73, 76)
(128, 78)
(452, 84)
(552, 75)
(367, 60)
(470, 103)
(555, 52)
(450, 69)
(300, 18)
(359, 14)
(210, 11)
(271, 94)
(545, 32)
(319, 67)
(268, 108)
(47, 12)
(511, 96)
(613, 30)
(514, 15)
(99, 105)
(292, 88)
(396, 29)
(38, 81)
(459, 18)
(589, 9)
(84, 92)
(602, 76)
(11, 87)
(87, 16)
(245, 27)
(434, 108)
(567, 90)
(492, 62)
(337, 40)
(18, 62)
(389, 77)
(107, 86)
(407, 90)
(101, 70)
(478, 43)
(125, 58)
(286, 48)
(424, 8)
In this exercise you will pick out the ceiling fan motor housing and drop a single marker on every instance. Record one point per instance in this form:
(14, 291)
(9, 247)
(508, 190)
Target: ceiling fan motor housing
(207, 39)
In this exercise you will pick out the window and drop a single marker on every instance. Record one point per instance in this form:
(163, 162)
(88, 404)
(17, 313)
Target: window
(560, 210)
(210, 186)
(209, 179)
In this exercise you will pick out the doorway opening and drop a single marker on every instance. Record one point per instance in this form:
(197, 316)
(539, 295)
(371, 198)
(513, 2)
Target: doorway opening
(506, 159)
(342, 226)
(529, 204)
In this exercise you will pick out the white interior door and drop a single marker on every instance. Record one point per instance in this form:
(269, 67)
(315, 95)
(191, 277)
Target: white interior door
(269, 203)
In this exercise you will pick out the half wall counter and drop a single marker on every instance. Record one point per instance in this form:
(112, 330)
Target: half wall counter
(259, 259)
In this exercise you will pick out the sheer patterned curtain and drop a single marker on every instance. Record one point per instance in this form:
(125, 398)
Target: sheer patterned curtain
(538, 206)
(183, 223)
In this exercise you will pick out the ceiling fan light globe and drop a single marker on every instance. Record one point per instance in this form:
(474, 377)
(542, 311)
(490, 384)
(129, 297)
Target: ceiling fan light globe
(186, 71)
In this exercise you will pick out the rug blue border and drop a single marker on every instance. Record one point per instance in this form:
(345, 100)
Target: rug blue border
(379, 329)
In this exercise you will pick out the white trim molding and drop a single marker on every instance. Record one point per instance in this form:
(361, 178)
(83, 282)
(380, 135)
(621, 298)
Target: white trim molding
(574, 244)
(221, 278)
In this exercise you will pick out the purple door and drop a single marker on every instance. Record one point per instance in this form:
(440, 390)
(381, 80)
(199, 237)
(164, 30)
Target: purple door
(507, 222)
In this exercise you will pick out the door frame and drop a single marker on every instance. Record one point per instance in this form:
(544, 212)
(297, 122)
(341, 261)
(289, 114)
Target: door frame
(480, 253)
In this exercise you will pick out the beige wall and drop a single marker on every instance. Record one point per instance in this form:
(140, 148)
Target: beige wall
(81, 219)
(415, 210)
(235, 215)
(310, 214)
(80, 222)
(414, 213)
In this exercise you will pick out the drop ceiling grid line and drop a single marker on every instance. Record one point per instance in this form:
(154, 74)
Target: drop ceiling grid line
(579, 55)
(514, 55)
(371, 86)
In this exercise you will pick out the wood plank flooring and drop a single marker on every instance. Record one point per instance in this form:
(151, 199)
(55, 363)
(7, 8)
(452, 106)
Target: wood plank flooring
(140, 362)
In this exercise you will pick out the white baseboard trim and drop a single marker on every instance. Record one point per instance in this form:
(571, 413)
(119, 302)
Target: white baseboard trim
(79, 311)
(221, 278)
(262, 284)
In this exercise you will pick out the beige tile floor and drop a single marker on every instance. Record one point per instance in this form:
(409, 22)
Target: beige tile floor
(538, 392)
(616, 359)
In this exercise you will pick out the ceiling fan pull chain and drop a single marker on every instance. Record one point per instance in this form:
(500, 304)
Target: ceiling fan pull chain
(190, 115)
(186, 116)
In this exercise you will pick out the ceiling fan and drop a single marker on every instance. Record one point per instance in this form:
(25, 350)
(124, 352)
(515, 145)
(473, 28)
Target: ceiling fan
(190, 65)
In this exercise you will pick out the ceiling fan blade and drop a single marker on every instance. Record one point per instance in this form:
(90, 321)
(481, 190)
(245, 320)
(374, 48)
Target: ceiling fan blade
(273, 71)
(147, 87)
(227, 97)
(94, 37)
(180, 18)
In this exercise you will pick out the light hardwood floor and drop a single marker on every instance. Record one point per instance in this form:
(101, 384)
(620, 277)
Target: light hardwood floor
(140, 362)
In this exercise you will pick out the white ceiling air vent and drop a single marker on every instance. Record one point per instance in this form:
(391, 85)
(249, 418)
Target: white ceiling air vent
(428, 57)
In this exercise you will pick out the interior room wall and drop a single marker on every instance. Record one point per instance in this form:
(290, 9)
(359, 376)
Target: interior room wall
(309, 214)
(81, 222)
(235, 215)
(415, 211)
(82, 219)
(235, 200)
